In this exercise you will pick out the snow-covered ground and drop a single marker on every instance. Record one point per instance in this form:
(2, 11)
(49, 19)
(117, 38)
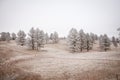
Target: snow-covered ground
(56, 61)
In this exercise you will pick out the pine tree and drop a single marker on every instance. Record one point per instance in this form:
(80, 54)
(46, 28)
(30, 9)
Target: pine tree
(119, 35)
(13, 36)
(114, 41)
(104, 42)
(88, 42)
(36, 39)
(8, 38)
(51, 36)
(55, 37)
(72, 40)
(21, 38)
(39, 37)
(46, 38)
(31, 39)
(101, 42)
(3, 36)
(81, 40)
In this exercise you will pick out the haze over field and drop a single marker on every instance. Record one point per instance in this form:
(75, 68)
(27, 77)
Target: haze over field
(97, 16)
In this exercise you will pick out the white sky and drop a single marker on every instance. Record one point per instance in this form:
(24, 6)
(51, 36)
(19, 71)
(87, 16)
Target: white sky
(97, 16)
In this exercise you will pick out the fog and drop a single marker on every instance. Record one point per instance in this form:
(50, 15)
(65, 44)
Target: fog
(97, 16)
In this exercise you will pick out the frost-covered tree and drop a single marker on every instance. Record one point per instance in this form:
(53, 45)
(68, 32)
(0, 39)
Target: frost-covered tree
(31, 40)
(92, 35)
(39, 38)
(119, 34)
(81, 40)
(51, 36)
(55, 37)
(95, 37)
(21, 38)
(88, 42)
(72, 40)
(8, 38)
(46, 38)
(36, 39)
(114, 41)
(3, 36)
(13, 36)
(104, 42)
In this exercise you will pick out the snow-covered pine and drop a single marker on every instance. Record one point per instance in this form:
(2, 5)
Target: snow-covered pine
(55, 37)
(13, 36)
(36, 39)
(21, 38)
(72, 40)
(88, 42)
(114, 41)
(8, 38)
(101, 42)
(81, 40)
(92, 35)
(104, 42)
(51, 36)
(3, 36)
(39, 38)
(119, 34)
(31, 40)
(46, 38)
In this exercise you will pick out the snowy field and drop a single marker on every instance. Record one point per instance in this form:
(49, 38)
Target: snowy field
(55, 62)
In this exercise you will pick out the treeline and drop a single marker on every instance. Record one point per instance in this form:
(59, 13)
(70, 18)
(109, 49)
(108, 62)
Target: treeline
(36, 38)
(79, 41)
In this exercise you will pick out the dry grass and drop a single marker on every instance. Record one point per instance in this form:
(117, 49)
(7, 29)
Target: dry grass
(54, 62)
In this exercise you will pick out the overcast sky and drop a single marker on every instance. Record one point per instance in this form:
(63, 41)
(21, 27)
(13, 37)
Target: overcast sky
(97, 16)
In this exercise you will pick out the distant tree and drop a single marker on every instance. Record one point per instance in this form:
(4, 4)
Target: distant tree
(114, 41)
(51, 36)
(104, 42)
(119, 34)
(39, 38)
(21, 38)
(46, 38)
(72, 40)
(117, 40)
(31, 39)
(81, 40)
(3, 36)
(55, 37)
(95, 37)
(36, 39)
(13, 36)
(88, 42)
(92, 35)
(8, 38)
(101, 42)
